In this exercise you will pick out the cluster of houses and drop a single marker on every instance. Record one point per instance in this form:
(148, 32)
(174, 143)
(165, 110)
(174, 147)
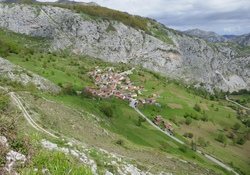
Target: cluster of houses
(118, 84)
(158, 120)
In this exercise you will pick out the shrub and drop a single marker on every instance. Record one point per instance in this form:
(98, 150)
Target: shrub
(188, 120)
(188, 134)
(241, 140)
(120, 142)
(184, 148)
(222, 138)
(4, 100)
(197, 108)
(236, 126)
(107, 110)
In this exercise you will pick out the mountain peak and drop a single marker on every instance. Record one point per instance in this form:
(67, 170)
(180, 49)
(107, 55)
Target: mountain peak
(207, 35)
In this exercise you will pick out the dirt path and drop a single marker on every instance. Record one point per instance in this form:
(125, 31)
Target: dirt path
(236, 103)
(28, 117)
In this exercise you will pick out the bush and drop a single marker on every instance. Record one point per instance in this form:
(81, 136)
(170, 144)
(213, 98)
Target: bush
(107, 110)
(184, 148)
(188, 120)
(197, 108)
(222, 138)
(4, 100)
(241, 140)
(188, 134)
(120, 142)
(236, 126)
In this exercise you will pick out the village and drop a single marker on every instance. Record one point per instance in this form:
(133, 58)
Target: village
(109, 82)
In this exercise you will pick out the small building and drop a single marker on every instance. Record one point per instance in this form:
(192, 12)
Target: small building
(169, 126)
(158, 119)
(141, 87)
(127, 80)
(151, 100)
(141, 100)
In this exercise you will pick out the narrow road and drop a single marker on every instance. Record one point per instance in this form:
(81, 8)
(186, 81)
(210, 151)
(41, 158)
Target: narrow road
(132, 104)
(236, 103)
(28, 117)
(165, 132)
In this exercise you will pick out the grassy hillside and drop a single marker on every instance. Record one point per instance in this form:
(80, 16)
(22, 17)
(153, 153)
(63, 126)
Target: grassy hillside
(214, 125)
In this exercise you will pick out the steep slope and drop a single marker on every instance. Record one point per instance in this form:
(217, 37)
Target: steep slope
(189, 59)
(242, 39)
(48, 116)
(209, 36)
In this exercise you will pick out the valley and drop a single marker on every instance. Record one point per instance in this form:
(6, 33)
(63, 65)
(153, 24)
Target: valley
(85, 99)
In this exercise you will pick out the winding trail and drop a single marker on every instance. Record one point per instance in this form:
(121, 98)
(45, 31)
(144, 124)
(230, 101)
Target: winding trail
(236, 103)
(28, 117)
(132, 104)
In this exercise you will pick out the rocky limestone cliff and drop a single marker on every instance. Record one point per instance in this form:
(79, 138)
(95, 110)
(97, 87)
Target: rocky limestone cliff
(189, 59)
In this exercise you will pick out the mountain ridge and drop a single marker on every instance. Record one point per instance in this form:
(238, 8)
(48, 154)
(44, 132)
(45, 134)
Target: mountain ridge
(207, 35)
(172, 54)
(63, 48)
(214, 37)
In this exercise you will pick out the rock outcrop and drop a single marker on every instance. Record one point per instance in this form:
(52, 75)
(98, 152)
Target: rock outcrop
(12, 158)
(23, 76)
(189, 59)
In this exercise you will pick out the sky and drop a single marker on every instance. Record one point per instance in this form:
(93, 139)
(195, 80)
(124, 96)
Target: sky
(220, 16)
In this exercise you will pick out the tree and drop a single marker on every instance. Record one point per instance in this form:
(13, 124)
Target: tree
(173, 118)
(107, 110)
(241, 140)
(222, 138)
(190, 135)
(68, 89)
(188, 120)
(236, 126)
(87, 93)
(197, 107)
(184, 148)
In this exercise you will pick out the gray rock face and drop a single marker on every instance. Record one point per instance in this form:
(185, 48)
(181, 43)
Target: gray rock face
(13, 158)
(218, 67)
(209, 36)
(242, 39)
(189, 59)
(16, 73)
(4, 142)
